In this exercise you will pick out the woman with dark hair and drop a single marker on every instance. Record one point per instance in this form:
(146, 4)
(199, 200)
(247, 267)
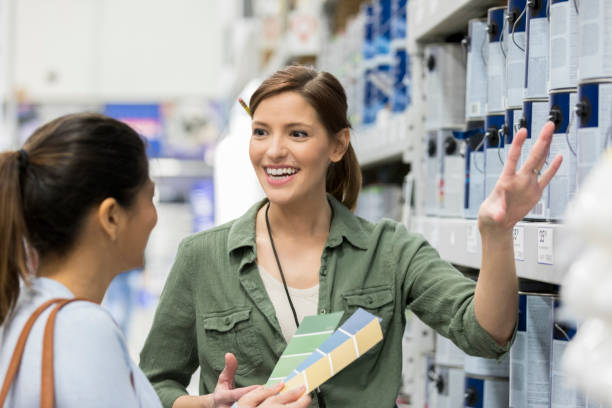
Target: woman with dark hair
(77, 199)
(244, 287)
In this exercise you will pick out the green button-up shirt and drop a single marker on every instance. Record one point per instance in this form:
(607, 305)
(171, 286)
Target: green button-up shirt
(214, 302)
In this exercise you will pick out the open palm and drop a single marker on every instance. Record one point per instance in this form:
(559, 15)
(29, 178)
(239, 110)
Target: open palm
(516, 192)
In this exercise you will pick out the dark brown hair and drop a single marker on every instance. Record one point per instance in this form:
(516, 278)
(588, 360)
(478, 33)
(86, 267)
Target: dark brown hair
(66, 167)
(325, 94)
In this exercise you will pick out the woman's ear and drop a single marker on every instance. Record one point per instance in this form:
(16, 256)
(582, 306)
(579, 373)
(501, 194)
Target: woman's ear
(340, 144)
(109, 216)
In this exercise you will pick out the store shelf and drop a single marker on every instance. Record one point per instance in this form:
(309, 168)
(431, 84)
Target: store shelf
(390, 138)
(432, 20)
(175, 168)
(537, 245)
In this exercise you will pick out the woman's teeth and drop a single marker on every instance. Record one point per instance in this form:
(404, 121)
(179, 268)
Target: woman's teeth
(281, 172)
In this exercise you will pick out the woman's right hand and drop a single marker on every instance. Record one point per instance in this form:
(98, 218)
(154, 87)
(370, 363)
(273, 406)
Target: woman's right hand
(269, 398)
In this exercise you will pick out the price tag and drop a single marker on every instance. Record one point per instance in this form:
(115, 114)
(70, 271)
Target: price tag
(472, 238)
(519, 243)
(545, 246)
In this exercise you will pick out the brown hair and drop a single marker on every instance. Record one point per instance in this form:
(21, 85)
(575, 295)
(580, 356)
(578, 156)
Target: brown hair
(325, 94)
(66, 167)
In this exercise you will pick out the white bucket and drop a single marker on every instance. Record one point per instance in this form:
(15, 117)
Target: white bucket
(515, 60)
(496, 61)
(476, 89)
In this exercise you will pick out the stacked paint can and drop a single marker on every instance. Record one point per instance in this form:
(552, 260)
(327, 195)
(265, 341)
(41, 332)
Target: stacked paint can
(530, 353)
(476, 89)
(447, 378)
(474, 172)
(515, 60)
(494, 150)
(452, 188)
(445, 75)
(562, 99)
(535, 115)
(594, 107)
(432, 172)
(486, 382)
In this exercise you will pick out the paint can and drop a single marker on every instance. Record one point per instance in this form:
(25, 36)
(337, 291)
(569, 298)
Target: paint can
(448, 386)
(515, 61)
(475, 175)
(475, 89)
(487, 367)
(433, 174)
(496, 61)
(494, 148)
(399, 15)
(536, 53)
(369, 50)
(401, 80)
(445, 86)
(447, 353)
(562, 187)
(595, 39)
(382, 39)
(535, 113)
(563, 44)
(452, 145)
(530, 353)
(594, 112)
(513, 122)
(481, 392)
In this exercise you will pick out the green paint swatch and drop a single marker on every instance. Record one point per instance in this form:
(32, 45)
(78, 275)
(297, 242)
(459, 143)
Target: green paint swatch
(313, 332)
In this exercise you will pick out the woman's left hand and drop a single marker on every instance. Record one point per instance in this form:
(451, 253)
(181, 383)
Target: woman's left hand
(225, 394)
(516, 192)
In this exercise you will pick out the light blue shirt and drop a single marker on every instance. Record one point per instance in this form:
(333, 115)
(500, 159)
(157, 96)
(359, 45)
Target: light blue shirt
(92, 365)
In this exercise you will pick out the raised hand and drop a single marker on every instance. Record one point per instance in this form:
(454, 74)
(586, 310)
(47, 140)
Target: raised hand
(225, 394)
(516, 192)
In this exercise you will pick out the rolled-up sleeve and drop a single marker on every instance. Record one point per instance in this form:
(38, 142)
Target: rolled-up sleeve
(442, 297)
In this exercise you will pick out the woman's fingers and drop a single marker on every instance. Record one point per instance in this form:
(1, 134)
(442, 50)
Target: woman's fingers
(237, 393)
(291, 395)
(515, 152)
(550, 172)
(256, 397)
(226, 378)
(539, 151)
(303, 402)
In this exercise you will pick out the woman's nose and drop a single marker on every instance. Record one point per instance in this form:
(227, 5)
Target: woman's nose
(277, 147)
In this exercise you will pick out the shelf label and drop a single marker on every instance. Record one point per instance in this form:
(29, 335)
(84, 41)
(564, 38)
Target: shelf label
(472, 238)
(519, 243)
(545, 246)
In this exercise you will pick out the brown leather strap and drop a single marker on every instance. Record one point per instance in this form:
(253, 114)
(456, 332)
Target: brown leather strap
(20, 347)
(47, 387)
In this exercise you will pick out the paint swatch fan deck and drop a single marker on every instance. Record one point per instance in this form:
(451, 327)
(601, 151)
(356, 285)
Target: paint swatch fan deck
(317, 352)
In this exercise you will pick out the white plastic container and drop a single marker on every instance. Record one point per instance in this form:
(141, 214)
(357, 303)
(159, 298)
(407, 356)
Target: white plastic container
(537, 52)
(476, 87)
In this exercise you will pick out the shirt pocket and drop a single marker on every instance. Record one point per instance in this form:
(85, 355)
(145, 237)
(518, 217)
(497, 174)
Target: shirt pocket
(377, 300)
(231, 332)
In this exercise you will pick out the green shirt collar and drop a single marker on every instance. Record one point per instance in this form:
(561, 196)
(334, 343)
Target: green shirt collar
(345, 225)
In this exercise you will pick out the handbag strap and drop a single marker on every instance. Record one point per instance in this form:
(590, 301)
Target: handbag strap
(47, 387)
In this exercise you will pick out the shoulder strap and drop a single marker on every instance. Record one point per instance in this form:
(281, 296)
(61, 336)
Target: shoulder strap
(20, 347)
(47, 384)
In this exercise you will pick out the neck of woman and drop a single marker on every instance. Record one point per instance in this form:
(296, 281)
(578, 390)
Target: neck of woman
(83, 273)
(304, 218)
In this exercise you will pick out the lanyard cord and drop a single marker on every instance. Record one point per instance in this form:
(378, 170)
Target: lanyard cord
(280, 269)
(318, 392)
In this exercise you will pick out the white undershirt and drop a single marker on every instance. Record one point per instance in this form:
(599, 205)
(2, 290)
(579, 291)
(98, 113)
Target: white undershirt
(304, 300)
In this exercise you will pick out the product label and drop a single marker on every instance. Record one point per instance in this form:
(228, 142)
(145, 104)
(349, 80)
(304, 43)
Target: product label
(518, 234)
(476, 89)
(496, 78)
(516, 69)
(545, 246)
(537, 64)
(564, 43)
(595, 31)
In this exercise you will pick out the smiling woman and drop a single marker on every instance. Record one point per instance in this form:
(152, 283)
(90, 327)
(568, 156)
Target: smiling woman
(242, 288)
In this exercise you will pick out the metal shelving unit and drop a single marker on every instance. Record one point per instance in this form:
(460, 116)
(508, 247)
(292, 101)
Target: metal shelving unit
(538, 246)
(432, 20)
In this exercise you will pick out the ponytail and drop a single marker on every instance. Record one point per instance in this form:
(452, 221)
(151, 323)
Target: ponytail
(343, 179)
(12, 232)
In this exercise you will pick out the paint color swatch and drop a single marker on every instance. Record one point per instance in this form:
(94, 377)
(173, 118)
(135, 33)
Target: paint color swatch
(313, 332)
(357, 335)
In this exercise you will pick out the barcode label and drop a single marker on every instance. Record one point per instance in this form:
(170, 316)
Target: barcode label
(519, 243)
(545, 246)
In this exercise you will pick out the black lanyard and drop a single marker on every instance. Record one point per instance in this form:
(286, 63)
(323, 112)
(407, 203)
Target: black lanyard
(318, 393)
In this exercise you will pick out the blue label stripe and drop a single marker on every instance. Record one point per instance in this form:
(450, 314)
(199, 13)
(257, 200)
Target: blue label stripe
(588, 94)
